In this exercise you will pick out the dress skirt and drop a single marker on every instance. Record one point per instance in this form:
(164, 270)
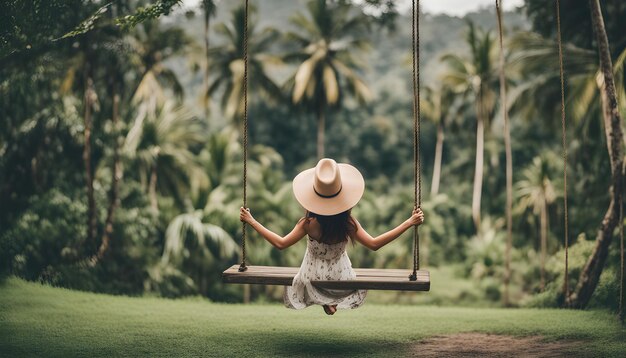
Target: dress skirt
(323, 262)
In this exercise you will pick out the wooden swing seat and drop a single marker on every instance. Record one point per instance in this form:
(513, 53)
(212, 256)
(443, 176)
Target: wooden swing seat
(366, 279)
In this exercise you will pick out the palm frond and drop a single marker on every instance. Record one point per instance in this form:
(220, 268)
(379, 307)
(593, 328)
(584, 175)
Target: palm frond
(188, 235)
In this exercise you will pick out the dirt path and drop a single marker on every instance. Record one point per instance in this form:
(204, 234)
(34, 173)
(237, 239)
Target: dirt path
(489, 345)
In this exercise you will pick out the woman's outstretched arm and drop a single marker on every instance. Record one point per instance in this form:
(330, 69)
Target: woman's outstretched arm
(278, 241)
(375, 243)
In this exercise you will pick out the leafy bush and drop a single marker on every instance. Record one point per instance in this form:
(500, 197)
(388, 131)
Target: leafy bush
(47, 235)
(606, 294)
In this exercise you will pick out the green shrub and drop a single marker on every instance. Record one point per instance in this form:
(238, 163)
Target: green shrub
(45, 236)
(606, 294)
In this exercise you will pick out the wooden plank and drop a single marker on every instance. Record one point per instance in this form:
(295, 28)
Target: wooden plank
(359, 271)
(294, 270)
(362, 273)
(390, 273)
(265, 269)
(370, 279)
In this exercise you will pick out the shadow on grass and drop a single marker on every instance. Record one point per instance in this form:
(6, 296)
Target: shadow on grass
(307, 345)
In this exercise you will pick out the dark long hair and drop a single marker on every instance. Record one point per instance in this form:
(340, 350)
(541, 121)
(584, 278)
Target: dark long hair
(335, 228)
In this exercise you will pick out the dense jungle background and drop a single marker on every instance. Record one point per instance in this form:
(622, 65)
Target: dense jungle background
(121, 153)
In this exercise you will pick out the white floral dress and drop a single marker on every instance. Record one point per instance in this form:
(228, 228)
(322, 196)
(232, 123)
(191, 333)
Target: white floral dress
(323, 262)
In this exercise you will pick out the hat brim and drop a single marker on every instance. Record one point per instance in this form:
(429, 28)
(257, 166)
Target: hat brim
(352, 187)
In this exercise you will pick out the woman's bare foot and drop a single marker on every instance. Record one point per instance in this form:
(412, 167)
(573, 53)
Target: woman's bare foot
(330, 310)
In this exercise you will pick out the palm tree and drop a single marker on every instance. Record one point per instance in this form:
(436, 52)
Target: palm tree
(509, 158)
(437, 107)
(476, 78)
(327, 70)
(153, 46)
(536, 58)
(227, 63)
(160, 145)
(211, 241)
(536, 191)
(195, 244)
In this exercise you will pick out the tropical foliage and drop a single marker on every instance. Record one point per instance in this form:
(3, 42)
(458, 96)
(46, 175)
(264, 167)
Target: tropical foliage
(476, 79)
(227, 63)
(114, 178)
(327, 70)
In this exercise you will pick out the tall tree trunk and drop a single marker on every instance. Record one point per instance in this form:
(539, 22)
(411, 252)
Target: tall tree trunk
(543, 219)
(592, 270)
(321, 124)
(91, 201)
(509, 162)
(478, 170)
(152, 188)
(509, 201)
(116, 176)
(207, 20)
(434, 187)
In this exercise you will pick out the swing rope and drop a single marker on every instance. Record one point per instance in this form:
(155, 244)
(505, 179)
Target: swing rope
(417, 201)
(243, 266)
(417, 177)
(564, 142)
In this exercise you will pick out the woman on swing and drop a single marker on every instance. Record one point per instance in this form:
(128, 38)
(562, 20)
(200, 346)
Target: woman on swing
(328, 192)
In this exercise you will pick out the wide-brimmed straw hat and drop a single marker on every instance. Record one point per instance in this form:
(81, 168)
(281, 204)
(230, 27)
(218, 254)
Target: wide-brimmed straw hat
(329, 188)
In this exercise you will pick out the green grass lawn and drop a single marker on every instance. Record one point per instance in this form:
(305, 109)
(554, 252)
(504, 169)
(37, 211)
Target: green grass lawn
(37, 320)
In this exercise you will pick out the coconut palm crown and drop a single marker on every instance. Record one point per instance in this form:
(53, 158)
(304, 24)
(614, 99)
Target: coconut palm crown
(328, 37)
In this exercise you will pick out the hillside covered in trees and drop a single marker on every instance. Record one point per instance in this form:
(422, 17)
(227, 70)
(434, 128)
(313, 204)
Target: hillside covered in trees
(121, 154)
